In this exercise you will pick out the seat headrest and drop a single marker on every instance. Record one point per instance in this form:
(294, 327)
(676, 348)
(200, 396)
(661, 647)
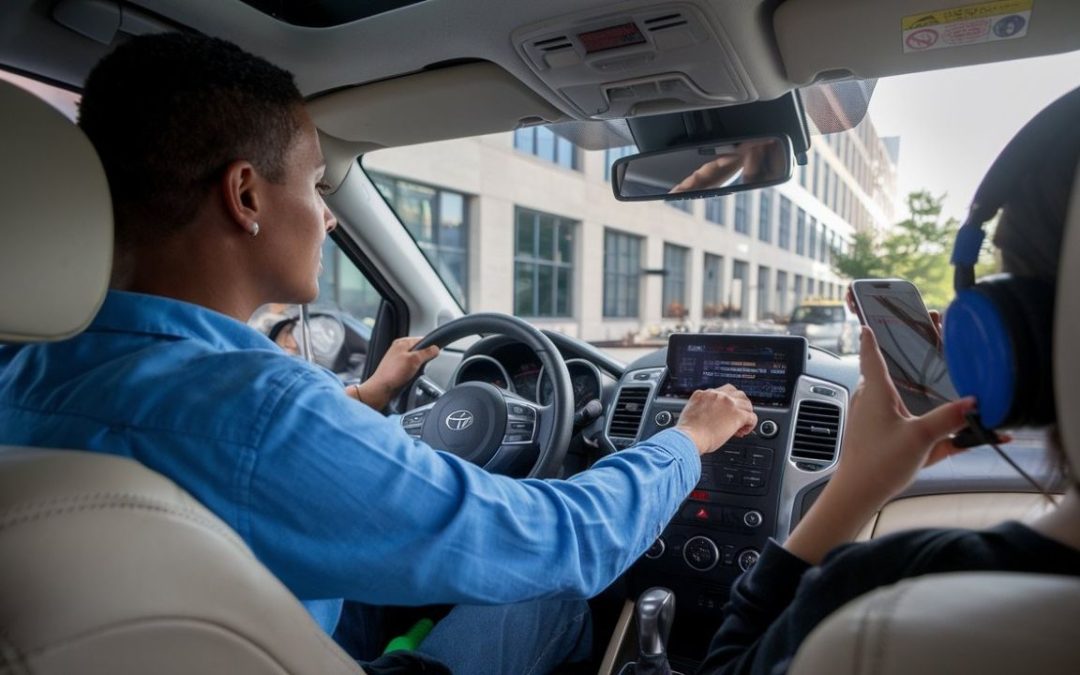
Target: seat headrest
(1067, 332)
(56, 236)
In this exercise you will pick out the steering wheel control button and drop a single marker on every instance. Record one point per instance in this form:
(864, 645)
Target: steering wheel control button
(656, 550)
(663, 418)
(516, 438)
(748, 559)
(768, 429)
(701, 554)
(518, 411)
(753, 519)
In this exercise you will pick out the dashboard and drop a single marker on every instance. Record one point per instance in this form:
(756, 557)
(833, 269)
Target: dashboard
(751, 489)
(515, 368)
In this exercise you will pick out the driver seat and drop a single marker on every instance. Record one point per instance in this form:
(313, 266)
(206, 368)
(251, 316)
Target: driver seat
(105, 566)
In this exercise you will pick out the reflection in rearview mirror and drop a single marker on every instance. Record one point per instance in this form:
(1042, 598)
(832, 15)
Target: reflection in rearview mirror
(703, 170)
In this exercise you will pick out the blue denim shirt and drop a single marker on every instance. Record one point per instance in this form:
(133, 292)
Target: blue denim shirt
(332, 497)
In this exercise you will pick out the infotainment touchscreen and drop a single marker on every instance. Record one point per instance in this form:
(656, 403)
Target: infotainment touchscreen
(766, 367)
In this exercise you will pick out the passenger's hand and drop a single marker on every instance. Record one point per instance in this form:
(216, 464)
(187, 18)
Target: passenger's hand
(884, 444)
(397, 368)
(884, 447)
(713, 416)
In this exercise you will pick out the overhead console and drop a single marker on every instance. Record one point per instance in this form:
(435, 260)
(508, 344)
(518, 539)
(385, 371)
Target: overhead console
(649, 60)
(749, 488)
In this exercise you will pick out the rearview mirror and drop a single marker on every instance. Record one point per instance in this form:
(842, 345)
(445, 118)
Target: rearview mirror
(703, 170)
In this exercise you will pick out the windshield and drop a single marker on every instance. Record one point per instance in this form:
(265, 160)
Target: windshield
(524, 222)
(818, 315)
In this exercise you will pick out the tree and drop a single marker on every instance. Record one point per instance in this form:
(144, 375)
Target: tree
(916, 249)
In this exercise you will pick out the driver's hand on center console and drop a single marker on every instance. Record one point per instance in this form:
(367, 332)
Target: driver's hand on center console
(398, 367)
(713, 416)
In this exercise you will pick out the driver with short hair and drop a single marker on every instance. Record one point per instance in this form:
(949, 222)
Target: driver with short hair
(217, 184)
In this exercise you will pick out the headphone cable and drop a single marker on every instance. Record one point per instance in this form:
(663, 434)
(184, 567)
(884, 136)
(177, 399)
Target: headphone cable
(988, 438)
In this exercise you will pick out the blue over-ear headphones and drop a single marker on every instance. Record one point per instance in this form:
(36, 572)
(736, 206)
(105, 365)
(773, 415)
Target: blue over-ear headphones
(998, 331)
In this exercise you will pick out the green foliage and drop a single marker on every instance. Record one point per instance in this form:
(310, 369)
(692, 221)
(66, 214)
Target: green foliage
(916, 249)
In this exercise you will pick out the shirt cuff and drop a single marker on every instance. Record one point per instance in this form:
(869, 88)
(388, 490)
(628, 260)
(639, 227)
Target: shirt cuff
(679, 445)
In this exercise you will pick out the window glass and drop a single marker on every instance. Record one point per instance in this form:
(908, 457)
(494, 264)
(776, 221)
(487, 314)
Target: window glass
(438, 219)
(674, 291)
(712, 292)
(784, 234)
(543, 264)
(764, 288)
(765, 214)
(714, 210)
(622, 274)
(800, 233)
(742, 206)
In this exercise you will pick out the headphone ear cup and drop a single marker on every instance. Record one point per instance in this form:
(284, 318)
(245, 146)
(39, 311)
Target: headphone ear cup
(998, 349)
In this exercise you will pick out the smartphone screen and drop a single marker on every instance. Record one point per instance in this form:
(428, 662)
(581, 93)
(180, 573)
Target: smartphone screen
(908, 340)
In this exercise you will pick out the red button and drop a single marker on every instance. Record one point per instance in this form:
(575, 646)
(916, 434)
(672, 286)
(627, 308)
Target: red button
(699, 495)
(702, 514)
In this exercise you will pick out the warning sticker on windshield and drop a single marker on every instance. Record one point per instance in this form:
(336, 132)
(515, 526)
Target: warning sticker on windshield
(968, 25)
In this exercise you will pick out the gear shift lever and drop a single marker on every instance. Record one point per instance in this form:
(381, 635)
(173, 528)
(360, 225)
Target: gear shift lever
(655, 612)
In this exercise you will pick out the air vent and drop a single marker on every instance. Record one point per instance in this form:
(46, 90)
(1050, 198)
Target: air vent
(817, 433)
(553, 44)
(664, 22)
(626, 418)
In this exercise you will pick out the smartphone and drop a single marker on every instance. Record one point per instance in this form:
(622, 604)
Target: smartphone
(912, 348)
(908, 339)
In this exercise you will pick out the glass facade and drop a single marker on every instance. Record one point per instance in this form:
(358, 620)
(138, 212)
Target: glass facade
(438, 219)
(675, 273)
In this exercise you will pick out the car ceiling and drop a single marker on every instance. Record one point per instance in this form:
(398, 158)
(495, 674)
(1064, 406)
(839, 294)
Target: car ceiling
(433, 49)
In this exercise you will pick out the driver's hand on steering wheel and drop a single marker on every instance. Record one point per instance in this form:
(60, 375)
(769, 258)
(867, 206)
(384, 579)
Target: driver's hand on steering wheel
(398, 367)
(713, 416)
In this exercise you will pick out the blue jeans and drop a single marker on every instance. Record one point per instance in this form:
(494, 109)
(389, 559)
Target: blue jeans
(529, 638)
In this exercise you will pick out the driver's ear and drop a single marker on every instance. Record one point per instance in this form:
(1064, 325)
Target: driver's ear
(241, 195)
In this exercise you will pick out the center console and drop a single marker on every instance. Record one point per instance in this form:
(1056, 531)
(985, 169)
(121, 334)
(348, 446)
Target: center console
(749, 486)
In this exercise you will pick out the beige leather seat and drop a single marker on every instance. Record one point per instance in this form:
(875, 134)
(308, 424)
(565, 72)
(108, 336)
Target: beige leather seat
(974, 622)
(105, 566)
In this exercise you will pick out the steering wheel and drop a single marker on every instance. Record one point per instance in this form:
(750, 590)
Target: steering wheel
(500, 431)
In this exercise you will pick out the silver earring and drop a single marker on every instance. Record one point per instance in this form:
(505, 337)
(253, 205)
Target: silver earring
(254, 229)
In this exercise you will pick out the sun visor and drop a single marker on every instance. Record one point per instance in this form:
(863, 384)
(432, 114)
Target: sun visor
(837, 39)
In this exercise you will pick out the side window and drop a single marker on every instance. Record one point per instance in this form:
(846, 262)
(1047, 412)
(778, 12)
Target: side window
(341, 320)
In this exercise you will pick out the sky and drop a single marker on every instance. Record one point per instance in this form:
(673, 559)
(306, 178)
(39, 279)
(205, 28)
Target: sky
(953, 123)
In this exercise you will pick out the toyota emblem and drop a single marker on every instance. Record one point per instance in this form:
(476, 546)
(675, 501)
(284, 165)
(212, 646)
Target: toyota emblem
(459, 420)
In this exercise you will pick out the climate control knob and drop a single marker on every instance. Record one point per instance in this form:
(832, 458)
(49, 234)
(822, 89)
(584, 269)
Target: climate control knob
(753, 518)
(748, 559)
(656, 550)
(663, 418)
(768, 429)
(701, 553)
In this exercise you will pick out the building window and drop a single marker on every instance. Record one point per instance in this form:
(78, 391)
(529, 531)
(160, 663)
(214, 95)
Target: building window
(800, 233)
(784, 233)
(543, 264)
(712, 292)
(809, 287)
(714, 210)
(622, 274)
(798, 289)
(817, 174)
(545, 144)
(763, 292)
(781, 293)
(675, 280)
(765, 215)
(811, 248)
(684, 205)
(740, 288)
(742, 205)
(612, 154)
(438, 220)
(824, 249)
